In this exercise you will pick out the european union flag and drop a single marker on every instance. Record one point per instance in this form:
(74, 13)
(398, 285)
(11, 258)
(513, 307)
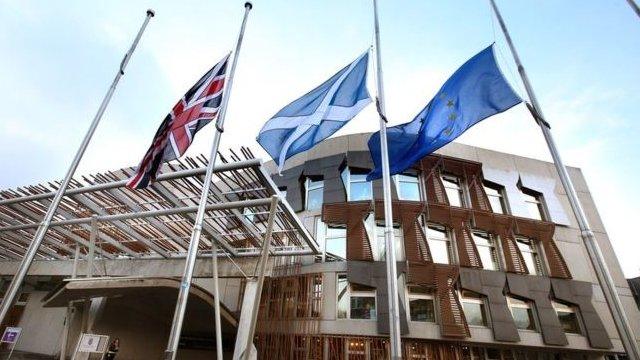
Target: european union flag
(474, 92)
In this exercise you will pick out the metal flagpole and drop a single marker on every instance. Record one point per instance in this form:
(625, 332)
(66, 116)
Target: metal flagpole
(10, 295)
(634, 6)
(392, 273)
(183, 295)
(593, 249)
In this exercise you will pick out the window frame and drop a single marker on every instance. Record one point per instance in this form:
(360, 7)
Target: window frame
(475, 299)
(494, 251)
(501, 196)
(346, 173)
(571, 309)
(350, 293)
(514, 302)
(538, 200)
(398, 181)
(447, 178)
(448, 240)
(536, 254)
(321, 236)
(378, 234)
(429, 295)
(307, 188)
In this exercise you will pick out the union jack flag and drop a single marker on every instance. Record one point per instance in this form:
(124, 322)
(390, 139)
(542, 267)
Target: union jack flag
(198, 107)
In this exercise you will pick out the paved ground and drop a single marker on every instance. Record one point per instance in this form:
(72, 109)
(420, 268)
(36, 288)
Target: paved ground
(24, 356)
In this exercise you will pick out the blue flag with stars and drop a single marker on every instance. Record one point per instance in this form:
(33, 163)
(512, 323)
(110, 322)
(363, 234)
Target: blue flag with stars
(474, 92)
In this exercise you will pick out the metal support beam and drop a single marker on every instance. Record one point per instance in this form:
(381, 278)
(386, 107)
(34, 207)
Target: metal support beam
(295, 220)
(216, 295)
(206, 228)
(263, 267)
(253, 163)
(121, 225)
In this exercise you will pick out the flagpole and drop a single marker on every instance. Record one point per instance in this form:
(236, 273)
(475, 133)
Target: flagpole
(593, 249)
(183, 295)
(392, 272)
(634, 6)
(10, 295)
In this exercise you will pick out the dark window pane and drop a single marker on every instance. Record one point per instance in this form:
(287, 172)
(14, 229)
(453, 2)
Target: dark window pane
(422, 310)
(523, 318)
(569, 322)
(363, 307)
(474, 313)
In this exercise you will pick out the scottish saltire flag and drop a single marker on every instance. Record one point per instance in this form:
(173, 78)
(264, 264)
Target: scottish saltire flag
(198, 107)
(318, 114)
(474, 92)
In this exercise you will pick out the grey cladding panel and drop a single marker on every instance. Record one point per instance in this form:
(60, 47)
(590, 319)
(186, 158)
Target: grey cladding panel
(374, 274)
(580, 294)
(491, 284)
(537, 289)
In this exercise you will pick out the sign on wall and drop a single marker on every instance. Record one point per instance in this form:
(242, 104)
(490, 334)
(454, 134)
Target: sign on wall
(11, 335)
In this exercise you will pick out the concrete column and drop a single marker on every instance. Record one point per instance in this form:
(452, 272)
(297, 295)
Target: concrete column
(246, 314)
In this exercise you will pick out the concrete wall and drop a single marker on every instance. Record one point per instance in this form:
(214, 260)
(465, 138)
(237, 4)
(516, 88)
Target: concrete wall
(41, 327)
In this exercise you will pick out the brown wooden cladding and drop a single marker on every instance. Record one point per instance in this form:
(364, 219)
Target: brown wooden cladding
(461, 220)
(351, 214)
(443, 278)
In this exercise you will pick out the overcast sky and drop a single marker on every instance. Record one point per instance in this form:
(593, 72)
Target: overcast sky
(58, 58)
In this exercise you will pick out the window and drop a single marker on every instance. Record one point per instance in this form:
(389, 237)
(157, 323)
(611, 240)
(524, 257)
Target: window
(487, 250)
(380, 243)
(453, 188)
(283, 192)
(249, 214)
(568, 317)
(473, 307)
(522, 313)
(421, 304)
(356, 184)
(530, 254)
(314, 188)
(332, 239)
(439, 244)
(355, 301)
(496, 196)
(534, 203)
(408, 186)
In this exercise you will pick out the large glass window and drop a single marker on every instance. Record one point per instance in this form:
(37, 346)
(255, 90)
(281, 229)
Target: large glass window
(474, 309)
(408, 186)
(356, 184)
(529, 252)
(332, 239)
(421, 304)
(355, 301)
(534, 203)
(496, 196)
(522, 313)
(568, 317)
(453, 188)
(314, 187)
(439, 244)
(487, 250)
(380, 247)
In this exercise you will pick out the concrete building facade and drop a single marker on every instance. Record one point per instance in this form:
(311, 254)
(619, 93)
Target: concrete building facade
(491, 265)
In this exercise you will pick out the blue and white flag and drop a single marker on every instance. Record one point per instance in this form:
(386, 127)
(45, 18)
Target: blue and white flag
(474, 92)
(318, 114)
